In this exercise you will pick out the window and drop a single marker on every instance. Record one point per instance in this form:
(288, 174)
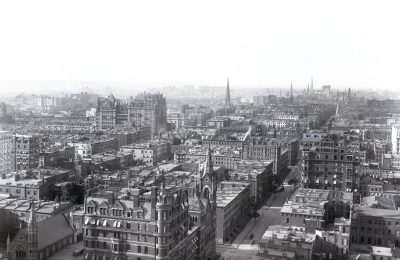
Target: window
(128, 225)
(128, 247)
(146, 250)
(139, 249)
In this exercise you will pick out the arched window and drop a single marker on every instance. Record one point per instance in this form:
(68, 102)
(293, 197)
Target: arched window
(20, 252)
(206, 193)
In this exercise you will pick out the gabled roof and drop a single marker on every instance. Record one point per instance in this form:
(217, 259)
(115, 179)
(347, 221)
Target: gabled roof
(53, 229)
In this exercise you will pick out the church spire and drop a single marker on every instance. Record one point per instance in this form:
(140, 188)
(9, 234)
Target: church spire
(227, 96)
(8, 243)
(312, 84)
(291, 92)
(32, 218)
(32, 233)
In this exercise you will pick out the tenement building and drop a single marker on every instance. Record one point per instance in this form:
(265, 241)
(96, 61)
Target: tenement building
(25, 152)
(329, 165)
(5, 152)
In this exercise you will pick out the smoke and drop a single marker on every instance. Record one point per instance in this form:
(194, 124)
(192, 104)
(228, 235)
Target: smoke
(247, 133)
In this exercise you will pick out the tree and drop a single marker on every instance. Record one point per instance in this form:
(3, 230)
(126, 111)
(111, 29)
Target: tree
(9, 225)
(293, 181)
(73, 192)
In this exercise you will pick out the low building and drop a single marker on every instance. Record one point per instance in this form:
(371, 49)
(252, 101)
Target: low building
(376, 222)
(34, 183)
(307, 208)
(43, 209)
(40, 240)
(281, 242)
(150, 152)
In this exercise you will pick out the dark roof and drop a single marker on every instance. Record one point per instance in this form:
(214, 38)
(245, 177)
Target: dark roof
(52, 230)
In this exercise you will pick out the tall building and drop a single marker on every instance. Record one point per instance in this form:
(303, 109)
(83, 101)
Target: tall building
(395, 140)
(145, 110)
(227, 96)
(149, 109)
(5, 152)
(329, 165)
(25, 152)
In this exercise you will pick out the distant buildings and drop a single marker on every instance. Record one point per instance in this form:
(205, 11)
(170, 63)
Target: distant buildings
(34, 185)
(150, 152)
(145, 110)
(88, 148)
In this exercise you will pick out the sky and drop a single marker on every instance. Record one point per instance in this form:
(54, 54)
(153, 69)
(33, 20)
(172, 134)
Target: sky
(254, 43)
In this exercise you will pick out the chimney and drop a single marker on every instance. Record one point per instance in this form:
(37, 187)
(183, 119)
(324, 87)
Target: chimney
(110, 198)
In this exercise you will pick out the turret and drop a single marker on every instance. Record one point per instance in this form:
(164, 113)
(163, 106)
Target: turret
(163, 231)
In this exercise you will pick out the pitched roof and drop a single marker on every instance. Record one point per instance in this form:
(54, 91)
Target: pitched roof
(53, 229)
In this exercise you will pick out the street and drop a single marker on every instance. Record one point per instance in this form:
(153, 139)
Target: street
(245, 248)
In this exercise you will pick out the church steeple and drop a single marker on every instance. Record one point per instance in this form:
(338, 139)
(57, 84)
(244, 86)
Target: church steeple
(8, 243)
(227, 96)
(291, 92)
(32, 233)
(208, 182)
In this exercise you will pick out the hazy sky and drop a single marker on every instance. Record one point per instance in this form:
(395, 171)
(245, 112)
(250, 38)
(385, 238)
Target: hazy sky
(255, 43)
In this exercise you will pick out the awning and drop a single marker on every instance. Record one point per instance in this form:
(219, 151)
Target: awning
(115, 223)
(105, 223)
(86, 220)
(93, 221)
(98, 222)
(119, 224)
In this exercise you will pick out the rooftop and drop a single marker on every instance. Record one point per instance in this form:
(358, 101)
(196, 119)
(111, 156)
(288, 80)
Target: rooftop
(228, 194)
(293, 234)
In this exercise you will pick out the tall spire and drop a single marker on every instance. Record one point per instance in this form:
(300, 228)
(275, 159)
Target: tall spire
(209, 164)
(32, 217)
(8, 243)
(227, 96)
(32, 233)
(312, 83)
(291, 92)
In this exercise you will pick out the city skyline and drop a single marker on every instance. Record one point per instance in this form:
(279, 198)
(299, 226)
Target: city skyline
(178, 43)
